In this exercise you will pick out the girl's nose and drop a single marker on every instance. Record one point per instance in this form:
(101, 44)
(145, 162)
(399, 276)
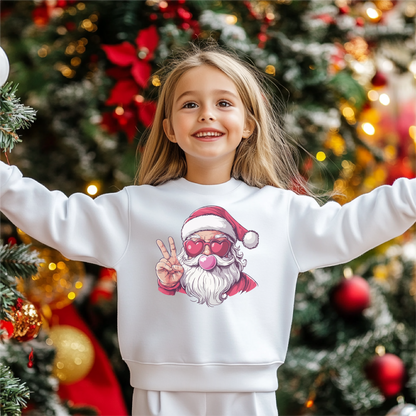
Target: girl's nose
(206, 115)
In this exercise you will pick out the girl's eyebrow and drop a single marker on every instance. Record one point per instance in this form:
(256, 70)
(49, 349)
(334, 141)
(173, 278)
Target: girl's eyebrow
(216, 91)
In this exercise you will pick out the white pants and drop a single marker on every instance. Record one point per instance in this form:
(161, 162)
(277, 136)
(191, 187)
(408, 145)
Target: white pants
(169, 403)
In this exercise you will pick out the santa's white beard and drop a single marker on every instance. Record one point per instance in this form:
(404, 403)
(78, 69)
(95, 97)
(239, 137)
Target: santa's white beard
(210, 286)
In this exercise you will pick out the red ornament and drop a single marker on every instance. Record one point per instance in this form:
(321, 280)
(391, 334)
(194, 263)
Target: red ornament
(359, 21)
(379, 79)
(105, 286)
(8, 329)
(344, 10)
(31, 358)
(388, 373)
(351, 296)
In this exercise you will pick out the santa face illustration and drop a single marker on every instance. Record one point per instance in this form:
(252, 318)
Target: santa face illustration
(209, 265)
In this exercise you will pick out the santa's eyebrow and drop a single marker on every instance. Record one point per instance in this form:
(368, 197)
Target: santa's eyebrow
(194, 236)
(220, 235)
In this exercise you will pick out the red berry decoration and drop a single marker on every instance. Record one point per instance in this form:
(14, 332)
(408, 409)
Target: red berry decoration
(388, 373)
(351, 296)
(379, 80)
(344, 10)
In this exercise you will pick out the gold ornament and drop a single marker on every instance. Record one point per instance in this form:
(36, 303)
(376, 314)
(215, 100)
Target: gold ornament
(358, 48)
(57, 282)
(74, 353)
(384, 5)
(26, 321)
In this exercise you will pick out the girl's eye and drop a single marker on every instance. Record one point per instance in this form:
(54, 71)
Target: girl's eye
(185, 106)
(226, 102)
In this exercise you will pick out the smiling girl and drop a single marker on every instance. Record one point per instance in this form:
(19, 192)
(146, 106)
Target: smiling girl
(202, 329)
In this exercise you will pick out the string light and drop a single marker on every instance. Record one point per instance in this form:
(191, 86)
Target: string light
(156, 81)
(384, 99)
(92, 189)
(43, 51)
(412, 67)
(348, 273)
(309, 404)
(231, 19)
(348, 112)
(368, 128)
(412, 133)
(270, 69)
(75, 61)
(61, 30)
(72, 11)
(372, 13)
(380, 350)
(321, 156)
(70, 49)
(373, 95)
(119, 110)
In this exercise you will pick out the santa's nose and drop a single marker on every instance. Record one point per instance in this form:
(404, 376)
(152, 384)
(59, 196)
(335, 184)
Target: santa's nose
(207, 250)
(207, 262)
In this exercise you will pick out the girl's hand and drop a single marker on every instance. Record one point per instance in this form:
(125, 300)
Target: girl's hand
(168, 270)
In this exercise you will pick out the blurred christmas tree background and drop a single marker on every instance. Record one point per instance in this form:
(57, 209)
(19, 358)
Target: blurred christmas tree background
(346, 72)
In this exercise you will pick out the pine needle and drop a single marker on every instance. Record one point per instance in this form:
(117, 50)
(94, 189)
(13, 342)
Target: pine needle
(13, 116)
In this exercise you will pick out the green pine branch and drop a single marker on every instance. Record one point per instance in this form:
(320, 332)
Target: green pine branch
(18, 260)
(8, 299)
(13, 116)
(13, 393)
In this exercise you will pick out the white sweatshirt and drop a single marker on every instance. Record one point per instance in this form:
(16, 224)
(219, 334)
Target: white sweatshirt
(170, 341)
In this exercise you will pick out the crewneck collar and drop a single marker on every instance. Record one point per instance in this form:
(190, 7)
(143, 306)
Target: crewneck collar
(219, 189)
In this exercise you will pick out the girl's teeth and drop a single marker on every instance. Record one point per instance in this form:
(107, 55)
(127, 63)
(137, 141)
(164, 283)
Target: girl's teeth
(208, 134)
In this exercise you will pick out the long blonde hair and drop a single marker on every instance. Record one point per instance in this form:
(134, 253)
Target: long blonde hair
(265, 158)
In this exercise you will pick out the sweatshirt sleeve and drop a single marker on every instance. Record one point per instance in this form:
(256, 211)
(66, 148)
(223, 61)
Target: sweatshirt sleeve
(332, 234)
(81, 228)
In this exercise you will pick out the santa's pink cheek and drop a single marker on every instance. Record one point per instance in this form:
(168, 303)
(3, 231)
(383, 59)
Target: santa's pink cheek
(207, 262)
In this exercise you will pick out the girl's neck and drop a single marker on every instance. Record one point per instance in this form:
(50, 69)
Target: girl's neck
(208, 175)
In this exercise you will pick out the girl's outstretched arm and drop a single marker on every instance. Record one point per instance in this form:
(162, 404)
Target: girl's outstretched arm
(335, 234)
(81, 228)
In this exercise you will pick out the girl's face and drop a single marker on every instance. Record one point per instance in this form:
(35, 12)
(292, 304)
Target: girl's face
(205, 98)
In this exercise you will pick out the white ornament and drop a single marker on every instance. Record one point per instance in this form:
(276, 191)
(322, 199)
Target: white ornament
(404, 409)
(4, 67)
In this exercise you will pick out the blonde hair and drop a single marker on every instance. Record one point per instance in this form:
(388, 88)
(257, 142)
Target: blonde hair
(265, 158)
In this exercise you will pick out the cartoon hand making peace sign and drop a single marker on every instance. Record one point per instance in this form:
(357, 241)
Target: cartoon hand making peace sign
(168, 270)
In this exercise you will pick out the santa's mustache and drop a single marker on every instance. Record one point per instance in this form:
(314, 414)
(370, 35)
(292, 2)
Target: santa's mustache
(221, 261)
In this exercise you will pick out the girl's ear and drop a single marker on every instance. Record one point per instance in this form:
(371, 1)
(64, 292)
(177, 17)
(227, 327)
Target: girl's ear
(168, 130)
(248, 129)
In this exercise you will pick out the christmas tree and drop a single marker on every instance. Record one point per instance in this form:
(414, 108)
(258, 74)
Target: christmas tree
(87, 67)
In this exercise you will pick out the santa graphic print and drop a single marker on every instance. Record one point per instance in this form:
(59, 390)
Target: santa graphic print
(209, 266)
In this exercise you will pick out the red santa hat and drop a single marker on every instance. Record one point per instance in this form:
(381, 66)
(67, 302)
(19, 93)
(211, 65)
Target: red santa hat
(218, 219)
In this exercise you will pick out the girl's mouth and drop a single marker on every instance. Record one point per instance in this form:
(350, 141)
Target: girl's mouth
(208, 138)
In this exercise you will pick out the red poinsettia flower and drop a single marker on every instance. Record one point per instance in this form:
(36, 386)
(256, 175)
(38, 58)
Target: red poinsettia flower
(146, 112)
(126, 54)
(122, 118)
(127, 117)
(123, 92)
